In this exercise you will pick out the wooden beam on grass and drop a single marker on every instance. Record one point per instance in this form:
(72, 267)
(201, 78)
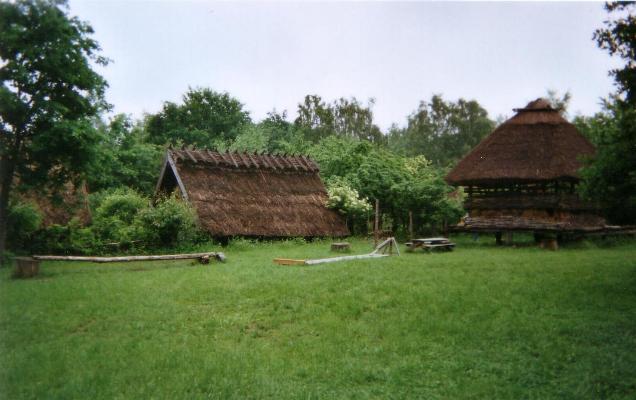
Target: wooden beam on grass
(200, 256)
(289, 261)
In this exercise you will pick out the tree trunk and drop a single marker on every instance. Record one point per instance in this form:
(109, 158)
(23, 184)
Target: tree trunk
(6, 181)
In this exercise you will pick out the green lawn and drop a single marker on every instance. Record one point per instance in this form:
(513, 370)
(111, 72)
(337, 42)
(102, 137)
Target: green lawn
(481, 322)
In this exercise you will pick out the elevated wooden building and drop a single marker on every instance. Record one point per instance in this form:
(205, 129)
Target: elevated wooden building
(246, 194)
(523, 176)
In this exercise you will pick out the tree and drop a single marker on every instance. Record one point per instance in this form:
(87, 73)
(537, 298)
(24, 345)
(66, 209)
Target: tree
(442, 131)
(205, 119)
(124, 157)
(315, 118)
(48, 90)
(611, 177)
(619, 39)
(352, 119)
(344, 117)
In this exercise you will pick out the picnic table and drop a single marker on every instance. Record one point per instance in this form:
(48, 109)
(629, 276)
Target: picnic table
(430, 244)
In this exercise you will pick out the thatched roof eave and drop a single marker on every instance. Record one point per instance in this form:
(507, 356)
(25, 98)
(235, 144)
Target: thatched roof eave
(494, 182)
(535, 145)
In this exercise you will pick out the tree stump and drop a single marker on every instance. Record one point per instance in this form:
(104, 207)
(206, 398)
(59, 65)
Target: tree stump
(26, 267)
(344, 246)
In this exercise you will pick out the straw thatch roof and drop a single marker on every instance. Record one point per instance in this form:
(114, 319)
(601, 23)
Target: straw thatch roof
(243, 194)
(535, 145)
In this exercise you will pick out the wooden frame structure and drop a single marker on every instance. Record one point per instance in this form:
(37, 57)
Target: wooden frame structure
(523, 177)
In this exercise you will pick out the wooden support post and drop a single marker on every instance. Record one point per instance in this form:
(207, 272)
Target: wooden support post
(376, 227)
(410, 225)
(498, 238)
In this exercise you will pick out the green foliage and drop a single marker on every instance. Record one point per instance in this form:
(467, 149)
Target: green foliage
(401, 184)
(344, 117)
(619, 39)
(45, 122)
(423, 191)
(124, 157)
(114, 217)
(251, 139)
(71, 239)
(345, 199)
(284, 137)
(205, 118)
(339, 156)
(48, 90)
(24, 220)
(442, 131)
(123, 216)
(610, 178)
(169, 223)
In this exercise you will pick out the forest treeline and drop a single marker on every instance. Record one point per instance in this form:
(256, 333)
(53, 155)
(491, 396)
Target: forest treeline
(55, 129)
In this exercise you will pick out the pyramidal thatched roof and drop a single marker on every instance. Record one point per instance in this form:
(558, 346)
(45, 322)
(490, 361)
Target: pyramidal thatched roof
(537, 144)
(248, 194)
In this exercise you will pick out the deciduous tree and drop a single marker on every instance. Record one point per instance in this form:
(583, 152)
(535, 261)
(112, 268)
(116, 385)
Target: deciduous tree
(611, 177)
(205, 118)
(48, 90)
(442, 131)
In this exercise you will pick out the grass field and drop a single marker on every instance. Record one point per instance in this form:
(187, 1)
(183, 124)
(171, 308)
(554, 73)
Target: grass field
(481, 322)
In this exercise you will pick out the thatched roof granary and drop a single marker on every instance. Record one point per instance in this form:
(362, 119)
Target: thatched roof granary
(245, 194)
(523, 176)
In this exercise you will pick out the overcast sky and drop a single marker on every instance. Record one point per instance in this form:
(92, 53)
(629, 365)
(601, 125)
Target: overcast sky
(270, 55)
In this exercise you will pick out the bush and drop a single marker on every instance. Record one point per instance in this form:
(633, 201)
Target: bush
(71, 239)
(24, 219)
(115, 213)
(345, 199)
(169, 223)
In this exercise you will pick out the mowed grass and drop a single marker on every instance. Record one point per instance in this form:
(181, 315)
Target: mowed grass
(481, 322)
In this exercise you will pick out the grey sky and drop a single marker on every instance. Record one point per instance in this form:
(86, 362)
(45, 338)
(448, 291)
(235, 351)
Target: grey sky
(270, 55)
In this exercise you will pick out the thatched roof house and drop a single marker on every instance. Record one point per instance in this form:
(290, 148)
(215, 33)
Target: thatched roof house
(243, 194)
(523, 175)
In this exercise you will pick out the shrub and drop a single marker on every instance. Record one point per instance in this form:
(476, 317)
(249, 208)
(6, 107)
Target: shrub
(69, 239)
(169, 223)
(115, 213)
(24, 219)
(345, 199)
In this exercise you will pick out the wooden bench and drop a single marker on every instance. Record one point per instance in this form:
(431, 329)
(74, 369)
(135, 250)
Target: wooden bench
(430, 244)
